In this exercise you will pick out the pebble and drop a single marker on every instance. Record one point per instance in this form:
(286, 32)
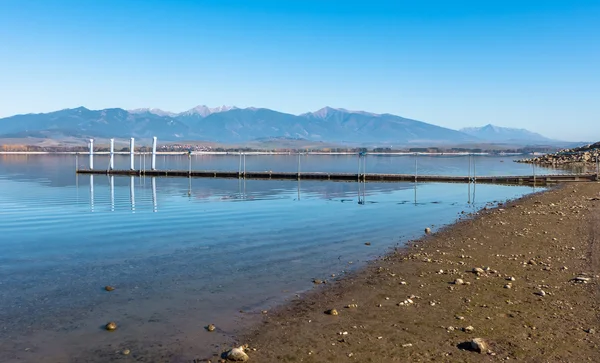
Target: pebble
(510, 278)
(332, 312)
(210, 327)
(351, 306)
(459, 282)
(508, 286)
(427, 230)
(541, 293)
(477, 270)
(108, 288)
(111, 326)
(126, 352)
(468, 329)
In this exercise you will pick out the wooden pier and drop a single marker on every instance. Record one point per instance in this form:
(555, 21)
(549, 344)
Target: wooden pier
(353, 177)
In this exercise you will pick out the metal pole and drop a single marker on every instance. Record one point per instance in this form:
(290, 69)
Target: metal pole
(474, 177)
(365, 168)
(154, 140)
(190, 164)
(132, 153)
(358, 175)
(416, 166)
(469, 171)
(112, 154)
(91, 154)
(76, 161)
(298, 166)
(244, 165)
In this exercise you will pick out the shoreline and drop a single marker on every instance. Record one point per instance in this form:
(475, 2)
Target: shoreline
(409, 309)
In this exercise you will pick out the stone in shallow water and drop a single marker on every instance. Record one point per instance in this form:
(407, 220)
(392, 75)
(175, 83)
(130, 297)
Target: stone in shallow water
(111, 326)
(108, 288)
(211, 327)
(427, 230)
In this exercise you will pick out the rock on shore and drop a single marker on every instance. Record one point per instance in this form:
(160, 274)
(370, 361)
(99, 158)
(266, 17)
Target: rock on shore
(585, 154)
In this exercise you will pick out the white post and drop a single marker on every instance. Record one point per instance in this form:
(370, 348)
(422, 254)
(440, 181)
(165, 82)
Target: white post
(154, 153)
(112, 154)
(91, 154)
(132, 153)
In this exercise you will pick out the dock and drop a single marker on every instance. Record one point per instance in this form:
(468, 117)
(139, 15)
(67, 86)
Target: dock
(352, 177)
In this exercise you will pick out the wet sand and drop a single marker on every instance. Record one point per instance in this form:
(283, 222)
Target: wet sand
(409, 308)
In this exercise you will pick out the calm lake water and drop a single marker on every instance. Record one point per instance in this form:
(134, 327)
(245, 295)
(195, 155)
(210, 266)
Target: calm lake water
(183, 253)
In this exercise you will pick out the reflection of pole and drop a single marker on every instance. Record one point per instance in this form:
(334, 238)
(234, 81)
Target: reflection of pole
(533, 167)
(240, 166)
(154, 202)
(132, 192)
(112, 193)
(76, 161)
(298, 188)
(244, 165)
(92, 191)
(469, 202)
(365, 167)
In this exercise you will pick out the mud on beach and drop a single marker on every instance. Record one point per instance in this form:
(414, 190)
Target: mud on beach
(523, 277)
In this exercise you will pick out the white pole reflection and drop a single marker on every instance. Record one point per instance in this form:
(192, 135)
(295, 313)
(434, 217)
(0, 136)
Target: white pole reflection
(154, 201)
(112, 193)
(132, 192)
(92, 192)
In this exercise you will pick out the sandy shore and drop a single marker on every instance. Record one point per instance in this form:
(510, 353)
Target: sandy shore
(411, 307)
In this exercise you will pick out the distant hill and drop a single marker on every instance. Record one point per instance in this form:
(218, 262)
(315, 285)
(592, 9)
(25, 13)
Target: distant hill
(228, 124)
(499, 134)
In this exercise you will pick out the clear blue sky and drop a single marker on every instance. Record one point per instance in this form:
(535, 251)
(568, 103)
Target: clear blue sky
(533, 64)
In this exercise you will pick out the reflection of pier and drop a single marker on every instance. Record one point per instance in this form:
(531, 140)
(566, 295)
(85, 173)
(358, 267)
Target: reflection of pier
(372, 177)
(111, 183)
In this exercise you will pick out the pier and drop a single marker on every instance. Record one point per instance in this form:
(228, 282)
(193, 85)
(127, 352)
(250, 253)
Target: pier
(360, 176)
(352, 177)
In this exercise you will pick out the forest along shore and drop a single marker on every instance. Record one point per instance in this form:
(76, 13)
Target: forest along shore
(522, 277)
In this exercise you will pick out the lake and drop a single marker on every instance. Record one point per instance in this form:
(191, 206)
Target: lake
(183, 253)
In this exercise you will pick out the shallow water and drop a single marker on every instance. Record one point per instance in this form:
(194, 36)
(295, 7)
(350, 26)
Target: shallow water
(184, 253)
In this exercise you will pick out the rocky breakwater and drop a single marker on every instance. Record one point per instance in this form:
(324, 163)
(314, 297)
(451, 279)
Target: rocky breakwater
(588, 154)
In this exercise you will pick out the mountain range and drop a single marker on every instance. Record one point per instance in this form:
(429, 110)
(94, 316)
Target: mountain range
(228, 124)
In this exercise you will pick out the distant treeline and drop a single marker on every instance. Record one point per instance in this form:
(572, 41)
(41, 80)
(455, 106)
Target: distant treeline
(188, 147)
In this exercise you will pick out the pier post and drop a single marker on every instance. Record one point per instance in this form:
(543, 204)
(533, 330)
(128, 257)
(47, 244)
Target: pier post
(154, 153)
(112, 154)
(416, 166)
(91, 154)
(132, 153)
(298, 166)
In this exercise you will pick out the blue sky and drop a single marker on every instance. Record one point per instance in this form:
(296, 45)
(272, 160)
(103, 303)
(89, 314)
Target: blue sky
(532, 64)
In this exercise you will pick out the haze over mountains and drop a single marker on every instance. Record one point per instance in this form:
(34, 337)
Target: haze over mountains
(228, 124)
